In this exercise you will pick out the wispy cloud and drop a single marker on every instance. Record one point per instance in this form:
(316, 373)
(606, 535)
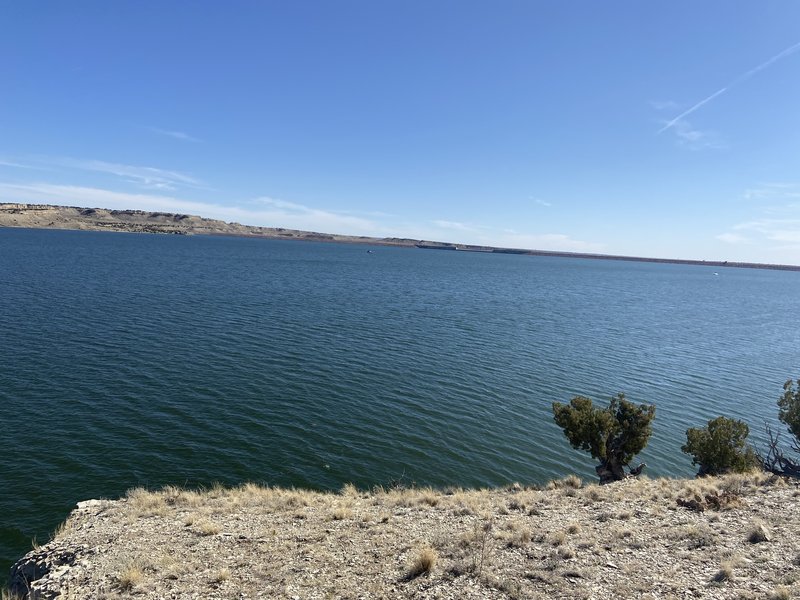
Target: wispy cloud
(733, 238)
(74, 195)
(775, 230)
(146, 177)
(454, 225)
(272, 212)
(740, 79)
(776, 225)
(178, 135)
(664, 104)
(697, 139)
(781, 193)
(291, 215)
(17, 165)
(150, 177)
(541, 202)
(547, 241)
(686, 135)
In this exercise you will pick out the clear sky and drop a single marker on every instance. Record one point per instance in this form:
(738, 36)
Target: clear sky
(663, 128)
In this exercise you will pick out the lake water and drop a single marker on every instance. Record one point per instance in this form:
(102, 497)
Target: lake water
(130, 360)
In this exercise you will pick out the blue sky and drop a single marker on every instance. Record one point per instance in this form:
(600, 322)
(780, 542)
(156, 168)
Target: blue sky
(666, 129)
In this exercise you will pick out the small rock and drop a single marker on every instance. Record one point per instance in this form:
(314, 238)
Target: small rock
(90, 504)
(758, 534)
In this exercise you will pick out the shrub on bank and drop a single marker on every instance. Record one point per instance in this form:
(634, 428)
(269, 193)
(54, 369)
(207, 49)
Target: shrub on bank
(789, 409)
(613, 434)
(721, 447)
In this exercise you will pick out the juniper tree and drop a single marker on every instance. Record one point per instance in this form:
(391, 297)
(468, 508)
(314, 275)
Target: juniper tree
(613, 434)
(789, 410)
(720, 447)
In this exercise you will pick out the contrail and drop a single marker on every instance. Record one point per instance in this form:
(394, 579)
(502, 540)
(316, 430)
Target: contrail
(745, 76)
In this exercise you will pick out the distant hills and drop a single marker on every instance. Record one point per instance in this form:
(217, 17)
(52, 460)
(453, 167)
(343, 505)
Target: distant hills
(48, 216)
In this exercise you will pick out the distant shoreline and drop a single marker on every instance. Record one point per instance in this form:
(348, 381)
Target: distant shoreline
(49, 216)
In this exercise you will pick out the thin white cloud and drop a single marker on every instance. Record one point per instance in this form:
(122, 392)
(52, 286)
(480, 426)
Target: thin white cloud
(741, 78)
(664, 104)
(17, 165)
(501, 238)
(775, 230)
(178, 135)
(291, 215)
(558, 242)
(541, 202)
(278, 213)
(273, 212)
(776, 227)
(686, 113)
(147, 177)
(151, 177)
(774, 192)
(733, 238)
(696, 139)
(453, 225)
(281, 204)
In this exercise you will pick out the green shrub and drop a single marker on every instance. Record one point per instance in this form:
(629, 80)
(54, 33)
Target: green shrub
(789, 409)
(721, 447)
(613, 435)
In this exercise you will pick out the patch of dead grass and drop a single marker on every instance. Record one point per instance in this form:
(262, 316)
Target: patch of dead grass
(423, 562)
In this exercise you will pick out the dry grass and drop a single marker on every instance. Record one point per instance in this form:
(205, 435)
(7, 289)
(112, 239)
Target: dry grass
(558, 538)
(131, 575)
(147, 504)
(206, 527)
(349, 490)
(428, 498)
(573, 540)
(63, 529)
(781, 593)
(593, 493)
(423, 562)
(573, 528)
(697, 536)
(566, 553)
(725, 573)
(341, 513)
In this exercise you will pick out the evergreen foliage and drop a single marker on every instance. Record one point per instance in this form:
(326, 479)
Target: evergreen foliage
(789, 409)
(613, 434)
(721, 447)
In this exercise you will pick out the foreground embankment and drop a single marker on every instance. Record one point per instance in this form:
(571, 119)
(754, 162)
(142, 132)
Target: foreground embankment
(732, 537)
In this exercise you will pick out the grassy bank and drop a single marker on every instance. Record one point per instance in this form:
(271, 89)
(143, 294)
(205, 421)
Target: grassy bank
(729, 537)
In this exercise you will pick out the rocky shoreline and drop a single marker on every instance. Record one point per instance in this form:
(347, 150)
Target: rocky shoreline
(731, 537)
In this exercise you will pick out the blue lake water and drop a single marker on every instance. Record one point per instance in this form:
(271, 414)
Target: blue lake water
(131, 360)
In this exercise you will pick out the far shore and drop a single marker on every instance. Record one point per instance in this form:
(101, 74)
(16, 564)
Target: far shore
(49, 216)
